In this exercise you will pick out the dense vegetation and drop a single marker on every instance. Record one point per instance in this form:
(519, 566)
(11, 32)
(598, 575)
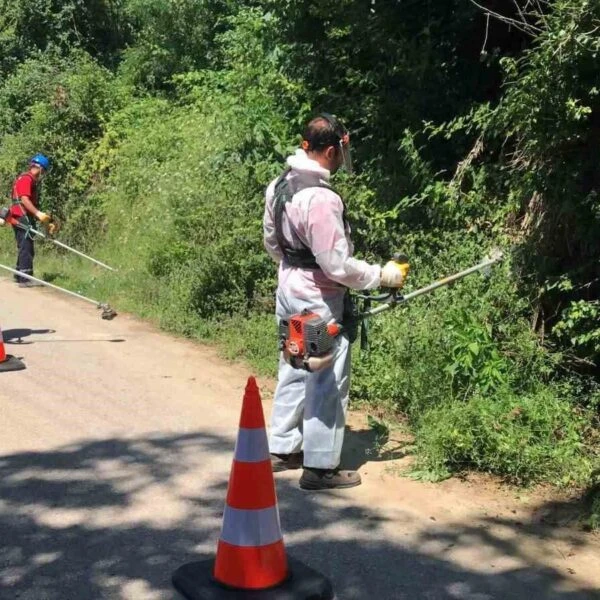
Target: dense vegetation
(471, 129)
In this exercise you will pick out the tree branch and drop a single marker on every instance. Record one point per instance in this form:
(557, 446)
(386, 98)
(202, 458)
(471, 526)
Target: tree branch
(523, 26)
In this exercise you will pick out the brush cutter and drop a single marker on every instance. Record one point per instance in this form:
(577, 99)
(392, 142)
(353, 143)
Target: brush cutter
(107, 312)
(307, 340)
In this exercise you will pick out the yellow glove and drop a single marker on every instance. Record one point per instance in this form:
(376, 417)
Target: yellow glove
(394, 273)
(391, 275)
(43, 217)
(2, 222)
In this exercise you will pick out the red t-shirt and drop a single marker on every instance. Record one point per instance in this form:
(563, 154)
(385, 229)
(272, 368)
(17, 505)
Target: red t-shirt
(24, 186)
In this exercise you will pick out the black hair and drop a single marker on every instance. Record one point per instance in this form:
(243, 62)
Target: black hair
(323, 131)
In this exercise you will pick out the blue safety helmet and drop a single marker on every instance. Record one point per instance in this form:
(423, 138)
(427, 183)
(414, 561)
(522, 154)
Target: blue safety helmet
(41, 161)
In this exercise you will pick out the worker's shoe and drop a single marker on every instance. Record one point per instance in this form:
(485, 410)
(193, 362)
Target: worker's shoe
(30, 284)
(328, 479)
(283, 462)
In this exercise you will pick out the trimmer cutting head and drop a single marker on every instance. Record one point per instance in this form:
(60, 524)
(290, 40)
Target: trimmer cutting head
(108, 313)
(495, 255)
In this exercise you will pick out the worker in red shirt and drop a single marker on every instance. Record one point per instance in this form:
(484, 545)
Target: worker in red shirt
(25, 209)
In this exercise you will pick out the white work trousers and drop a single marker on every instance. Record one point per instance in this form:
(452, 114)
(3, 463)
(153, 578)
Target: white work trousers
(309, 410)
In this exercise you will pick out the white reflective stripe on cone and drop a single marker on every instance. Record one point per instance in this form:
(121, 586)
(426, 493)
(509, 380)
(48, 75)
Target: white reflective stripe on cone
(251, 527)
(252, 445)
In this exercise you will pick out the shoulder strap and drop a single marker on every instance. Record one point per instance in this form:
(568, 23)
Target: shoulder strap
(280, 199)
(285, 190)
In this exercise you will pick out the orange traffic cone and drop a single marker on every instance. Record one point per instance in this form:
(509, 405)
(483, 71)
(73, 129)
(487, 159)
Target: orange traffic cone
(251, 561)
(8, 362)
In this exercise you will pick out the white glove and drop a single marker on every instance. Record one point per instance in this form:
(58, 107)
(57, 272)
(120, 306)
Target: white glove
(392, 275)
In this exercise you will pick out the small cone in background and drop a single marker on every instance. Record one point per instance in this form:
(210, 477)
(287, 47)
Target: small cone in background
(8, 362)
(251, 561)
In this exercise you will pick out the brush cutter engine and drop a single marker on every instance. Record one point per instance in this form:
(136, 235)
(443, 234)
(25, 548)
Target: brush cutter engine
(307, 341)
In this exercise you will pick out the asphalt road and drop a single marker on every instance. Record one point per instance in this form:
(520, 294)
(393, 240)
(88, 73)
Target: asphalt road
(115, 449)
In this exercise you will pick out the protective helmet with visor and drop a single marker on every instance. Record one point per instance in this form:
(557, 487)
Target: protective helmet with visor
(335, 135)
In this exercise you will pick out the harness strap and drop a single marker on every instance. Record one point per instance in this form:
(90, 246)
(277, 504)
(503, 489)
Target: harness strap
(285, 190)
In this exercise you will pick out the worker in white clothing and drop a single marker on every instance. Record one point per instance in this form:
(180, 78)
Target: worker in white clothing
(306, 232)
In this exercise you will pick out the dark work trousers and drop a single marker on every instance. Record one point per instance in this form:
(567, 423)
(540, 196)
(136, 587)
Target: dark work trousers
(25, 255)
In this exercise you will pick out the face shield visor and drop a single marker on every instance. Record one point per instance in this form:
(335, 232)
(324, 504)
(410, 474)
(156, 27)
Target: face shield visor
(42, 162)
(340, 131)
(42, 172)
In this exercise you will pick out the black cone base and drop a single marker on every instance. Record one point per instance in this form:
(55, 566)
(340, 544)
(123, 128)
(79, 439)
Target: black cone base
(195, 582)
(11, 364)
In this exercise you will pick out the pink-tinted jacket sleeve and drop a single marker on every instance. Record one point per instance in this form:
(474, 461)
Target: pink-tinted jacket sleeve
(327, 239)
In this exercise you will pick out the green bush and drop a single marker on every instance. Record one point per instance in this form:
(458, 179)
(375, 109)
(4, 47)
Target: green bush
(31, 29)
(526, 438)
(57, 105)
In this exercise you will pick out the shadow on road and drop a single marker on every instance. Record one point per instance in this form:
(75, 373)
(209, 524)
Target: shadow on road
(15, 336)
(367, 445)
(114, 518)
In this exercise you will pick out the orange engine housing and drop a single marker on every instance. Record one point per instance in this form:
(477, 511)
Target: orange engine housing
(306, 335)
